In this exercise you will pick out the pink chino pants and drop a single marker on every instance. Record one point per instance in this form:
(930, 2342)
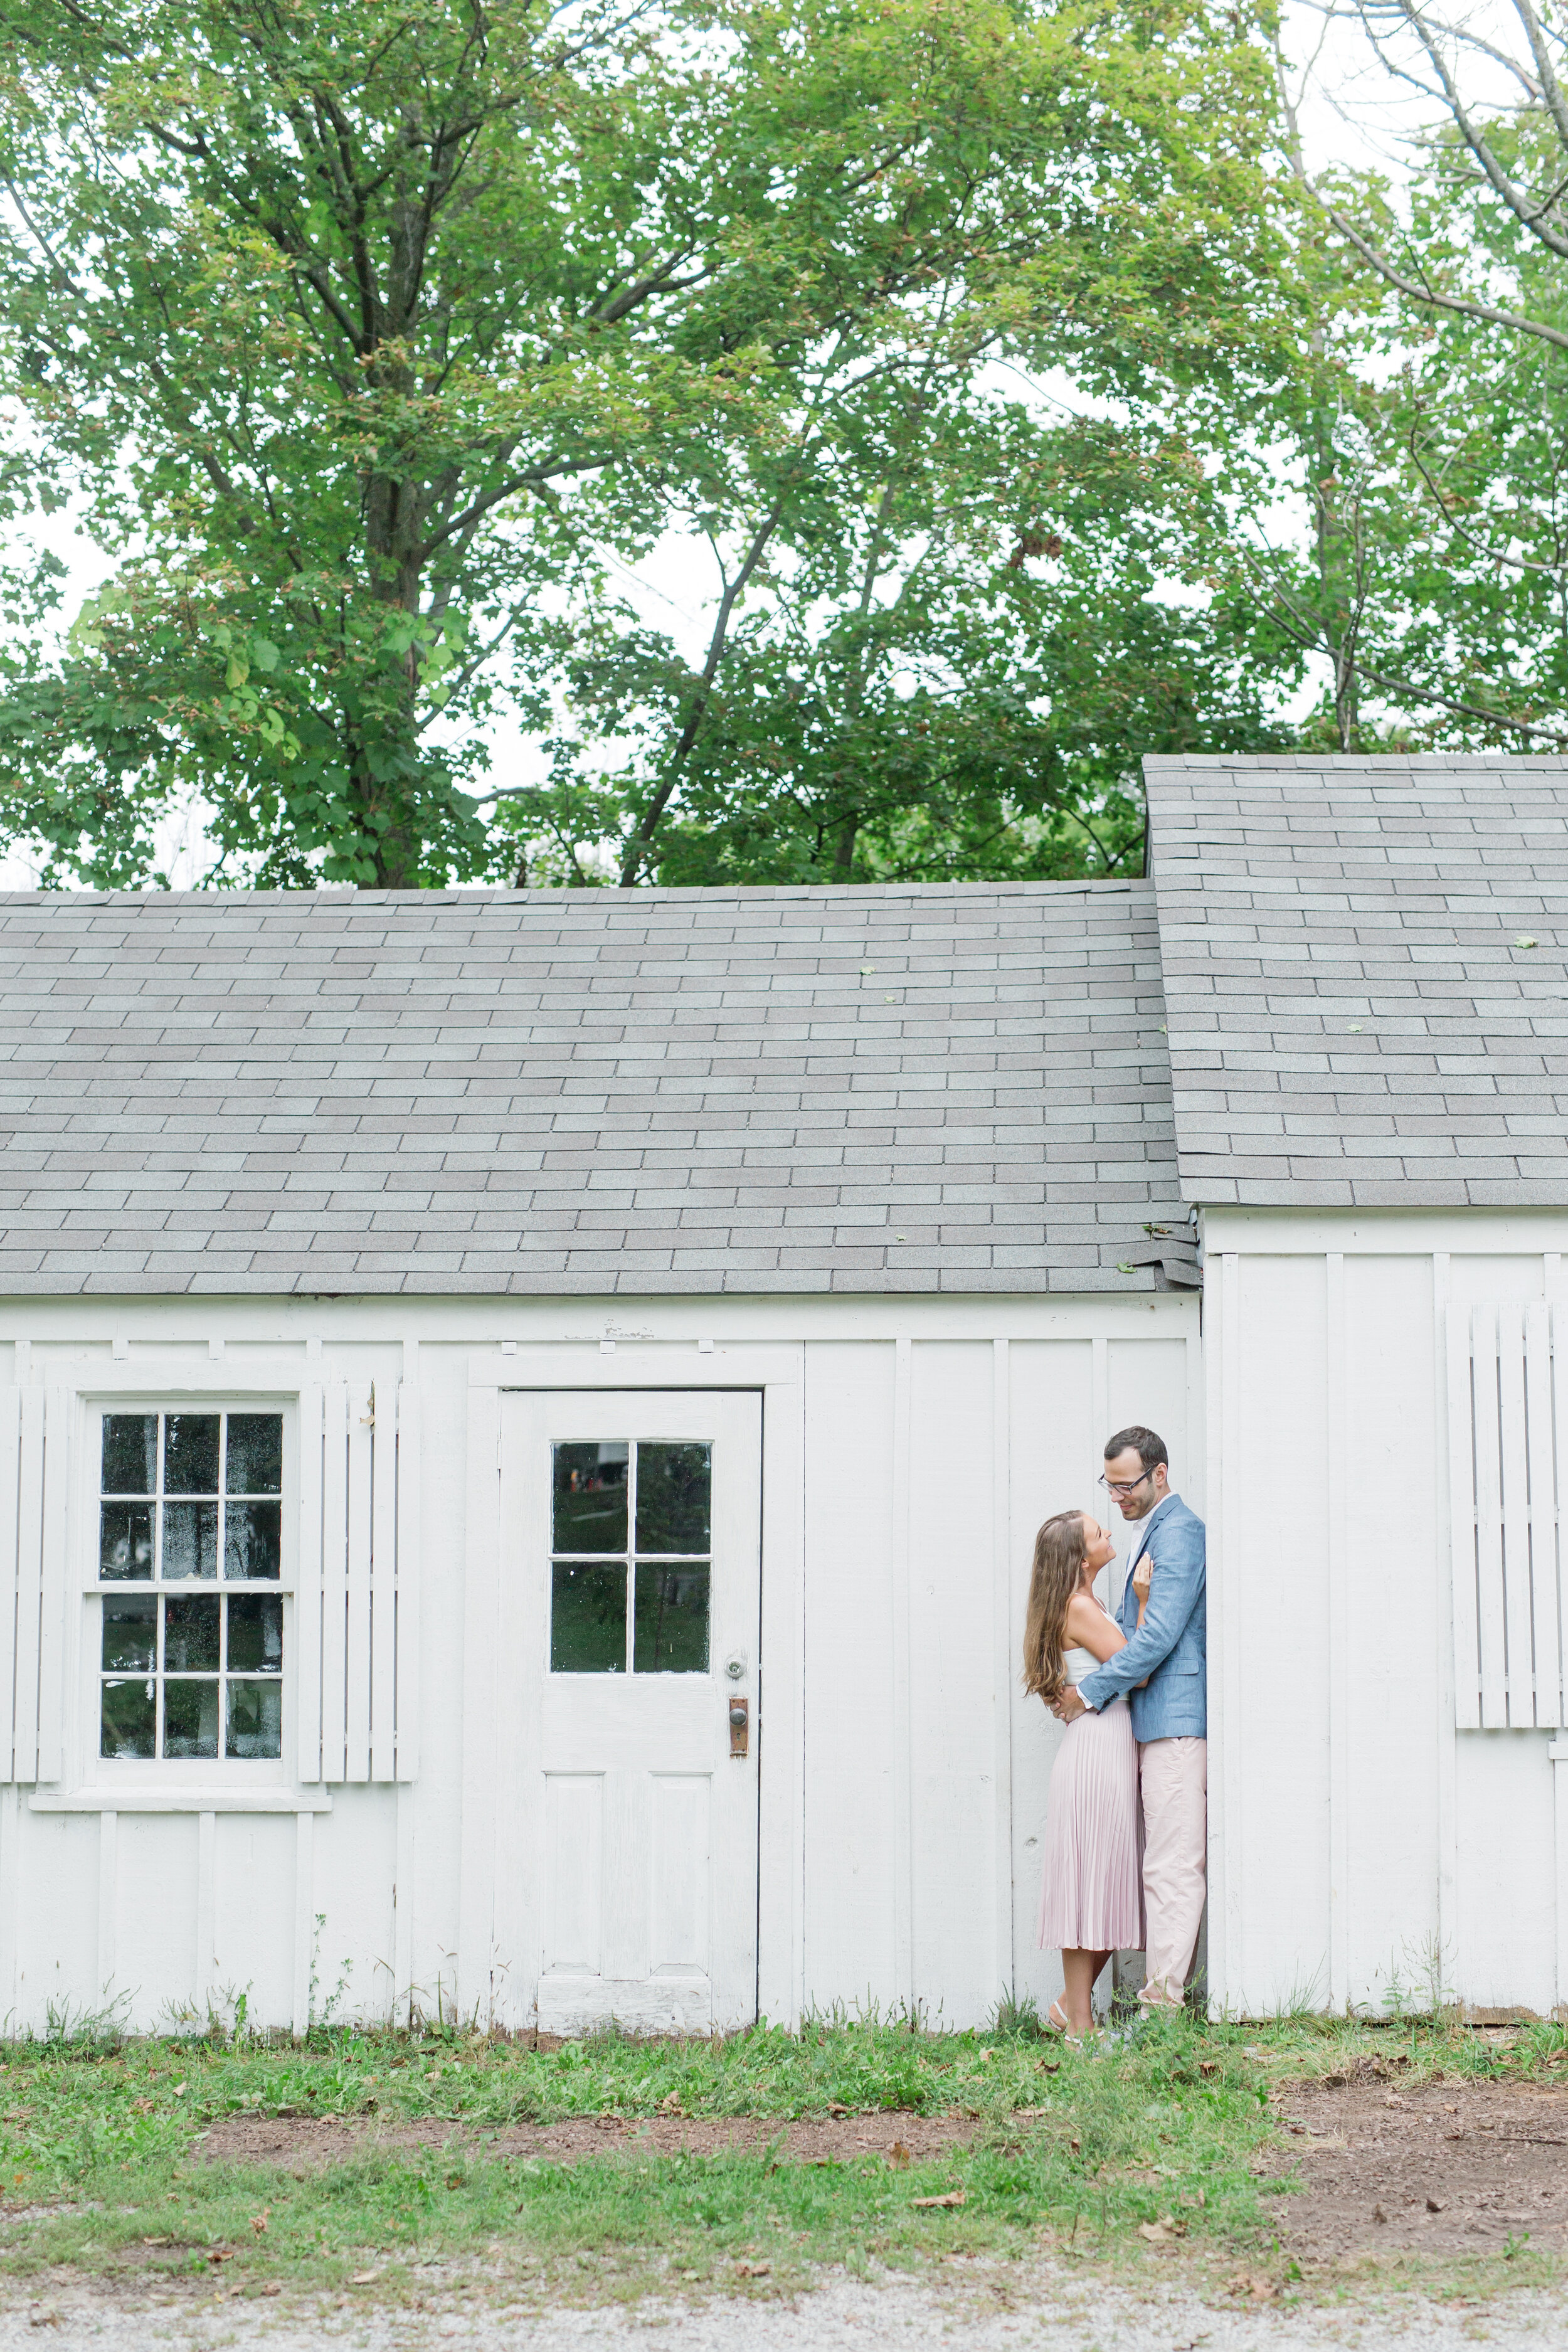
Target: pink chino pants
(1175, 1780)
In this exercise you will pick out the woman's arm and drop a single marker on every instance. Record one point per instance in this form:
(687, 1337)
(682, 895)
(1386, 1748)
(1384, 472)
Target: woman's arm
(1142, 1577)
(1089, 1628)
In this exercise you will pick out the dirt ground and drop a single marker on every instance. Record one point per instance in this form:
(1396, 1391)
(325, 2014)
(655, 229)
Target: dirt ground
(1443, 2168)
(299, 2142)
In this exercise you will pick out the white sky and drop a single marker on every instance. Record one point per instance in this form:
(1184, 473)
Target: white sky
(1348, 112)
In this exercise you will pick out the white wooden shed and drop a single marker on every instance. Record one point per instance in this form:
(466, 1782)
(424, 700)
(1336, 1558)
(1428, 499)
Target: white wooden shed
(1367, 1008)
(524, 1416)
(463, 1347)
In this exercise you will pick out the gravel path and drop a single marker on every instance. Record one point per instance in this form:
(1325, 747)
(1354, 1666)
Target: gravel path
(992, 2308)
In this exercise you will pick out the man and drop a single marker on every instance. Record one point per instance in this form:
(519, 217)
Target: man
(1162, 1670)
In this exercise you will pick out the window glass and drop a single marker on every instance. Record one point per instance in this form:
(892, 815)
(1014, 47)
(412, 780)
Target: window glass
(670, 1628)
(189, 1674)
(647, 1613)
(590, 1501)
(191, 1444)
(588, 1619)
(129, 1453)
(673, 1483)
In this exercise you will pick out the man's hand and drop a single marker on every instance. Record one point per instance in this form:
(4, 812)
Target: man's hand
(1069, 1707)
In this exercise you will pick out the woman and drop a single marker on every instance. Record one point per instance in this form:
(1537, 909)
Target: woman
(1091, 1900)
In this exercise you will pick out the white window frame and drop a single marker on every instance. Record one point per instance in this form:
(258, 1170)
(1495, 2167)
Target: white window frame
(221, 1775)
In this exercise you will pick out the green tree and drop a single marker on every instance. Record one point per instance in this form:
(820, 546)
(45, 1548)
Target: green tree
(1439, 402)
(366, 330)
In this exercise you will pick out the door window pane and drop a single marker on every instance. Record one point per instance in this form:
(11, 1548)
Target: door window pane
(673, 1483)
(588, 1619)
(670, 1627)
(191, 1451)
(590, 1498)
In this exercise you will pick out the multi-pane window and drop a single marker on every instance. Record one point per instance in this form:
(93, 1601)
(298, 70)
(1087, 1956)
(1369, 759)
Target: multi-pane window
(631, 1544)
(189, 1562)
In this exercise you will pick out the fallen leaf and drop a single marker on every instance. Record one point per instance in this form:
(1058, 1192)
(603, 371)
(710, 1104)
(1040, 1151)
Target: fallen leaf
(1050, 2065)
(179, 2090)
(1434, 2205)
(898, 2154)
(1524, 941)
(836, 2107)
(1076, 2146)
(221, 2255)
(1208, 2065)
(259, 2222)
(1378, 2214)
(670, 2103)
(364, 2278)
(272, 2288)
(752, 2270)
(140, 2106)
(45, 2319)
(157, 2241)
(953, 2197)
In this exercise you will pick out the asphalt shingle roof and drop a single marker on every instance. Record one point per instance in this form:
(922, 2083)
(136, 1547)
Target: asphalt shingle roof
(1352, 1019)
(953, 1089)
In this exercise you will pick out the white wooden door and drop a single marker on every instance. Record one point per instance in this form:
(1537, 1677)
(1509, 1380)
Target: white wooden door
(632, 1545)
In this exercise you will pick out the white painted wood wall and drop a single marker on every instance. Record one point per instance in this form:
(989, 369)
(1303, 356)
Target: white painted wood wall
(1388, 1779)
(909, 1451)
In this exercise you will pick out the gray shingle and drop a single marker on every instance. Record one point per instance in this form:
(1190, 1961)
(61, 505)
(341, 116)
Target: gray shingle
(1300, 897)
(588, 1092)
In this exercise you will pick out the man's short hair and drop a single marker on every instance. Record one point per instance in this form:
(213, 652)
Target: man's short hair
(1149, 1449)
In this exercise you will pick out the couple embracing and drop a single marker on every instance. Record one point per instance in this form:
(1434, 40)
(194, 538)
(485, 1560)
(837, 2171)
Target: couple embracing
(1126, 1829)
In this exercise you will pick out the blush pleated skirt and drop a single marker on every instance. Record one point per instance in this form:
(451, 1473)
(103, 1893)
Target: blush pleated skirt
(1091, 1896)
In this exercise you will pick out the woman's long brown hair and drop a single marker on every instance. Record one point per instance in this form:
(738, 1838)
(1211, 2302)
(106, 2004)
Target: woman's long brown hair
(1060, 1551)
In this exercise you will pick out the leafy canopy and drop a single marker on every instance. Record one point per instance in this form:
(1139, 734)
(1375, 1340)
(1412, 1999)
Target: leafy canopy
(373, 334)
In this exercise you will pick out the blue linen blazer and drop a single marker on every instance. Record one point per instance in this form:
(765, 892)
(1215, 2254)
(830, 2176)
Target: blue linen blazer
(1170, 1646)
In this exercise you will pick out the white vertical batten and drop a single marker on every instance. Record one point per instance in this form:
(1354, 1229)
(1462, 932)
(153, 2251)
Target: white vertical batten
(307, 1628)
(10, 1904)
(1002, 1701)
(1451, 1415)
(408, 1603)
(61, 1410)
(1558, 1752)
(1545, 1612)
(481, 1857)
(108, 1900)
(206, 1905)
(1224, 1621)
(903, 1747)
(1336, 1439)
(781, 1702)
(1099, 1390)
(10, 1581)
(304, 1918)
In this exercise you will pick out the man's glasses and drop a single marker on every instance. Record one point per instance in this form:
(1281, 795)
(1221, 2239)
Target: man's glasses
(1129, 1486)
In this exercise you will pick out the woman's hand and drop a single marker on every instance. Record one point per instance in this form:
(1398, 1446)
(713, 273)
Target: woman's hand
(1142, 1579)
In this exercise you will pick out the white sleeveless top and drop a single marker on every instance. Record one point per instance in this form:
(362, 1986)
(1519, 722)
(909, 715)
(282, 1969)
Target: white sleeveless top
(1078, 1663)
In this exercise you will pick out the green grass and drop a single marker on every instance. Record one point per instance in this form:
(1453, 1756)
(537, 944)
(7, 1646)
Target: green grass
(99, 2167)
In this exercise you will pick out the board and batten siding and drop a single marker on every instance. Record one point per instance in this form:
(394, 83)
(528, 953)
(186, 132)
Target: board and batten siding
(1388, 1781)
(910, 1448)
